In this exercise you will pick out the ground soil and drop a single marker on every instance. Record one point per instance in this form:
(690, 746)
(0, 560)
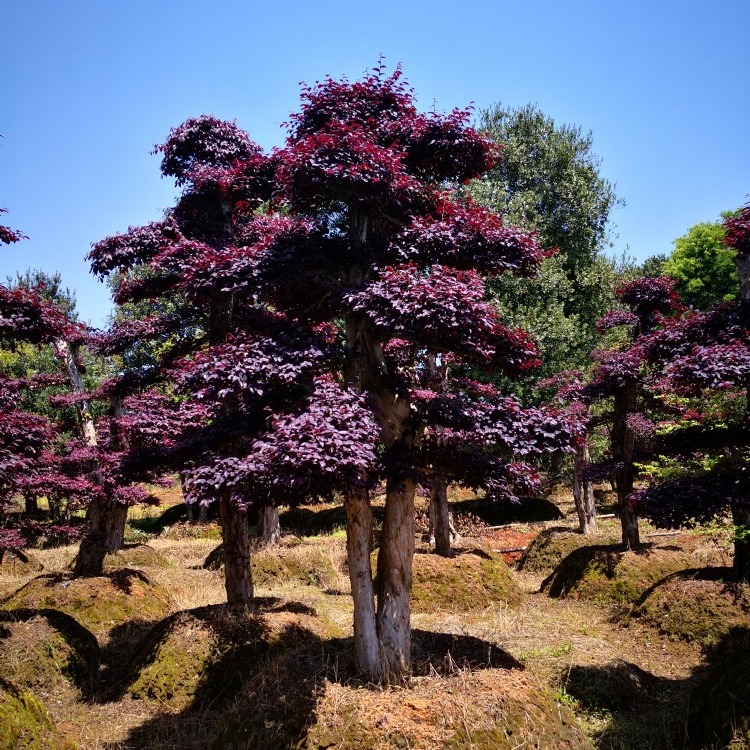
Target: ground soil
(610, 679)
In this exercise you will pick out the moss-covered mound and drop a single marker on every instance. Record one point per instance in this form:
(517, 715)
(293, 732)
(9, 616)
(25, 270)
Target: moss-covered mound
(136, 556)
(719, 707)
(204, 655)
(303, 563)
(301, 701)
(552, 546)
(469, 581)
(696, 606)
(606, 573)
(47, 652)
(99, 604)
(18, 563)
(25, 723)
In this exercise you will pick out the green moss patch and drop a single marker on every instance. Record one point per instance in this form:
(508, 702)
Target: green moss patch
(204, 655)
(696, 606)
(98, 603)
(25, 723)
(552, 546)
(469, 581)
(719, 707)
(136, 556)
(607, 574)
(302, 563)
(47, 652)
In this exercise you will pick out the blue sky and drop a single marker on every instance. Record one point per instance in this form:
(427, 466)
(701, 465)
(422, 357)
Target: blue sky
(89, 86)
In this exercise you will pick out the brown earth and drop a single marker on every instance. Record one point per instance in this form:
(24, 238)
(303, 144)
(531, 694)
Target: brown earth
(178, 670)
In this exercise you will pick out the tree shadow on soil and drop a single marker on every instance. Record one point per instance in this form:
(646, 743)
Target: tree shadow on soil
(269, 697)
(708, 710)
(641, 710)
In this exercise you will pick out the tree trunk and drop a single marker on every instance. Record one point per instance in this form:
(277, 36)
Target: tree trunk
(440, 525)
(583, 492)
(237, 574)
(358, 541)
(741, 520)
(395, 559)
(623, 444)
(116, 532)
(90, 559)
(31, 506)
(269, 527)
(67, 354)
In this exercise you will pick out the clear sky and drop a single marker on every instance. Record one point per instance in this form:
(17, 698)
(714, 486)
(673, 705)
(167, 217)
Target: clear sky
(89, 86)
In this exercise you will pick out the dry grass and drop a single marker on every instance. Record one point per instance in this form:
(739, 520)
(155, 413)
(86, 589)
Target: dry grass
(563, 644)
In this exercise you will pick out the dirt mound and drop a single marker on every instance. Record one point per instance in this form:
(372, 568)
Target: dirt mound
(696, 605)
(136, 556)
(201, 656)
(47, 652)
(302, 563)
(99, 604)
(498, 710)
(719, 707)
(469, 581)
(300, 700)
(25, 723)
(18, 563)
(605, 573)
(552, 546)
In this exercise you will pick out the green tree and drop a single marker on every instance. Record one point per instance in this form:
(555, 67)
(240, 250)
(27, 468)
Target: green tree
(705, 268)
(653, 266)
(548, 180)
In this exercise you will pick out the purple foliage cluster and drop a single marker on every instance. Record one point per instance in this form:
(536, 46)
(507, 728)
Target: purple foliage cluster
(738, 231)
(359, 244)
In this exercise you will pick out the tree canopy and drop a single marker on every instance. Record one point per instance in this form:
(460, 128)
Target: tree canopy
(705, 268)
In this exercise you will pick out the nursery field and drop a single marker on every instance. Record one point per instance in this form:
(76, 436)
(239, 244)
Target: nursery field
(570, 643)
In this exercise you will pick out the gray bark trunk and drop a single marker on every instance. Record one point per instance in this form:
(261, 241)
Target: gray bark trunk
(237, 574)
(269, 527)
(623, 444)
(395, 559)
(90, 559)
(116, 531)
(583, 493)
(358, 541)
(67, 354)
(439, 516)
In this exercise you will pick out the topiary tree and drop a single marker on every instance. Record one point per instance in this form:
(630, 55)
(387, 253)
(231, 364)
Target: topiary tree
(302, 268)
(705, 359)
(620, 376)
